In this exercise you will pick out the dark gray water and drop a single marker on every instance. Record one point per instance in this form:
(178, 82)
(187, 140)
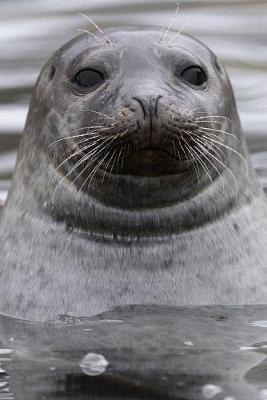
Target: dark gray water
(31, 30)
(141, 352)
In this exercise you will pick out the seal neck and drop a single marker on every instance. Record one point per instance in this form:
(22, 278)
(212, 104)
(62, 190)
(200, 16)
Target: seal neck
(188, 215)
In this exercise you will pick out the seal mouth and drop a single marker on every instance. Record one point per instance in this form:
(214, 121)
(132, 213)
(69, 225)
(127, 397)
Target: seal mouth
(152, 161)
(150, 152)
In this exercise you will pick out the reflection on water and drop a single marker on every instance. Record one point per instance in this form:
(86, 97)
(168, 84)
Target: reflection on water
(31, 30)
(138, 352)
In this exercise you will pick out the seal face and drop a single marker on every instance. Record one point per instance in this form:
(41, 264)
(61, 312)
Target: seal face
(133, 183)
(138, 112)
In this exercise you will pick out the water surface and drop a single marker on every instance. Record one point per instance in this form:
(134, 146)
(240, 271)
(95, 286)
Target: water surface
(138, 352)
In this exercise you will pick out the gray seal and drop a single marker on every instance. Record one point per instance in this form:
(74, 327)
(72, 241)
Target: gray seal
(133, 183)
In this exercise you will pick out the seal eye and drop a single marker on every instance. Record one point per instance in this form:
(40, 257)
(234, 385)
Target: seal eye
(194, 75)
(89, 78)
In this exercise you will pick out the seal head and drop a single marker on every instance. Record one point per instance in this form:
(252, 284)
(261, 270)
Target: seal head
(135, 122)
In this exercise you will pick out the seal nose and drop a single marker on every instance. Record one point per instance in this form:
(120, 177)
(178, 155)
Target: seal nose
(150, 124)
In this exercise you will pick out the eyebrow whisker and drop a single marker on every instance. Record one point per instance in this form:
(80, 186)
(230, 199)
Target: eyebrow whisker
(108, 41)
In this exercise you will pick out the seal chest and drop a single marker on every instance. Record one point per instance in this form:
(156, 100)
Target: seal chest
(133, 183)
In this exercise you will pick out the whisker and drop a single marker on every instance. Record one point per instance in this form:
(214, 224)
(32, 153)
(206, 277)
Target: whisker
(166, 30)
(195, 165)
(213, 130)
(175, 149)
(113, 164)
(199, 108)
(211, 145)
(181, 146)
(97, 28)
(202, 132)
(90, 34)
(94, 127)
(214, 116)
(221, 163)
(93, 172)
(107, 165)
(87, 134)
(231, 149)
(81, 161)
(201, 161)
(178, 33)
(91, 157)
(95, 156)
(75, 154)
(121, 156)
(80, 150)
(97, 112)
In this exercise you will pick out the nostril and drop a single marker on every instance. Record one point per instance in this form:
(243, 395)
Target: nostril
(142, 106)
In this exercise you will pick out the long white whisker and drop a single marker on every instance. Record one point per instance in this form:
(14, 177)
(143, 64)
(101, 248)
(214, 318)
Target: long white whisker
(220, 162)
(89, 134)
(166, 30)
(230, 149)
(213, 130)
(175, 150)
(93, 172)
(97, 112)
(88, 146)
(95, 156)
(90, 34)
(210, 144)
(178, 33)
(81, 161)
(108, 164)
(97, 28)
(213, 116)
(201, 161)
(195, 163)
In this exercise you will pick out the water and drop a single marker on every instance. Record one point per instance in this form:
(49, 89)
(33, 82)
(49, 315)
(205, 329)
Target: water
(138, 352)
(31, 30)
(93, 364)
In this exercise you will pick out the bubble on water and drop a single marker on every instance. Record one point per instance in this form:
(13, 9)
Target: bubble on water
(113, 321)
(52, 368)
(71, 319)
(5, 393)
(229, 398)
(5, 352)
(263, 346)
(88, 330)
(209, 391)
(107, 321)
(246, 348)
(93, 364)
(188, 343)
(259, 324)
